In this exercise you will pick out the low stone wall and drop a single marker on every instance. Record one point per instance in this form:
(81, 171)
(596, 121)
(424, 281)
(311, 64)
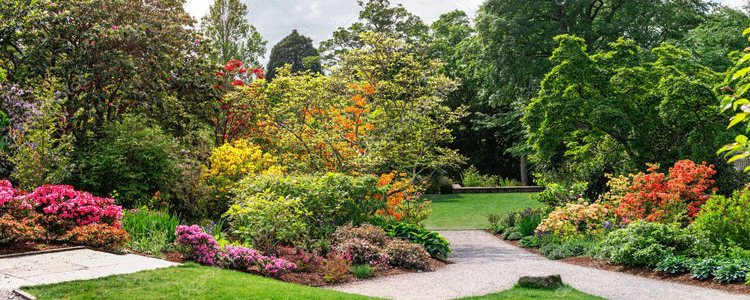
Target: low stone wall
(457, 189)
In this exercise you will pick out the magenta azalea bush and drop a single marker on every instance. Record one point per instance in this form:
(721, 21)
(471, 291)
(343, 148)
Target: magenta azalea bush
(203, 248)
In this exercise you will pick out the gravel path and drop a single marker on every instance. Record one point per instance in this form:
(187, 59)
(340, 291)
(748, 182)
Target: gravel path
(9, 295)
(485, 264)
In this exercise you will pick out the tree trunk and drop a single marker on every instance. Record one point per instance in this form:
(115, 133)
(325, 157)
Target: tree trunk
(524, 171)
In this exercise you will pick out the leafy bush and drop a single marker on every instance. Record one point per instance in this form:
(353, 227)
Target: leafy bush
(150, 232)
(14, 231)
(132, 158)
(198, 245)
(408, 255)
(433, 243)
(98, 236)
(531, 241)
(703, 269)
(512, 234)
(556, 194)
(528, 220)
(360, 251)
(363, 271)
(268, 220)
(567, 248)
(331, 200)
(471, 178)
(305, 261)
(731, 270)
(726, 220)
(575, 219)
(335, 268)
(643, 243)
(674, 264)
(64, 207)
(375, 235)
(438, 184)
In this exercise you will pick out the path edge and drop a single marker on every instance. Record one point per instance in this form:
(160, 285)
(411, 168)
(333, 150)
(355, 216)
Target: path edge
(42, 252)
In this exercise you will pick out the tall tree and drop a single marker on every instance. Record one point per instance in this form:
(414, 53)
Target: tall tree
(231, 35)
(375, 16)
(296, 50)
(712, 41)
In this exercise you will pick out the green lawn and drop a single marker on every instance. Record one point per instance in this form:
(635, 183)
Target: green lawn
(183, 282)
(519, 293)
(469, 211)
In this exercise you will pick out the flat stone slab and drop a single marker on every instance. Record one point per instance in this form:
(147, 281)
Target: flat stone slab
(71, 265)
(485, 265)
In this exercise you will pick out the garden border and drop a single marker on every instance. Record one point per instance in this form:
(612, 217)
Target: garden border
(23, 295)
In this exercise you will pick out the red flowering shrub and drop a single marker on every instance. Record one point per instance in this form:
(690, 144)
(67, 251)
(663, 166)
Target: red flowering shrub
(656, 197)
(10, 203)
(97, 235)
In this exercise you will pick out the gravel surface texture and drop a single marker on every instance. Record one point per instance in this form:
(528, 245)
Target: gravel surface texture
(9, 295)
(484, 264)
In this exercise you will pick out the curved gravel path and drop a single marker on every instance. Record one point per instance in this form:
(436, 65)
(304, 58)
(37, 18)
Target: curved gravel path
(485, 264)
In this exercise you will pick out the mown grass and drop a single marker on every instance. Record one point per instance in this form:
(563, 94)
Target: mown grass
(469, 211)
(519, 293)
(189, 281)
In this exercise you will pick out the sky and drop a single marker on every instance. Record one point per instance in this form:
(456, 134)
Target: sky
(317, 20)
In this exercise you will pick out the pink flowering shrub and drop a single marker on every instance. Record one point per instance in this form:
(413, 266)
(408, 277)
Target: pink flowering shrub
(11, 203)
(80, 208)
(204, 249)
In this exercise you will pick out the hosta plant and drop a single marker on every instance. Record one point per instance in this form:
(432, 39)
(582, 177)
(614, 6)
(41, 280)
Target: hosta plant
(675, 264)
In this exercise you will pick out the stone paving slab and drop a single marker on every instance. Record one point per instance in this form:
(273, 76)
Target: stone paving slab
(485, 265)
(71, 265)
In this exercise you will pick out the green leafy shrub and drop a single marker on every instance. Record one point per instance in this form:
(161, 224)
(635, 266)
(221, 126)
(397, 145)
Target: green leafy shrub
(528, 220)
(438, 184)
(408, 255)
(363, 271)
(703, 269)
(132, 158)
(150, 231)
(675, 264)
(559, 194)
(512, 234)
(471, 178)
(268, 220)
(497, 223)
(731, 270)
(331, 200)
(643, 243)
(531, 241)
(432, 242)
(567, 248)
(726, 220)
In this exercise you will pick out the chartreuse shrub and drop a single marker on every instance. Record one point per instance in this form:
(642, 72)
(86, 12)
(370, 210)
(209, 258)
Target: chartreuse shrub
(268, 220)
(328, 201)
(726, 220)
(576, 219)
(556, 194)
(647, 244)
(434, 244)
(471, 178)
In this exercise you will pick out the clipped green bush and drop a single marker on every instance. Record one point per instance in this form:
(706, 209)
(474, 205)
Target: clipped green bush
(726, 220)
(645, 244)
(329, 200)
(268, 220)
(433, 243)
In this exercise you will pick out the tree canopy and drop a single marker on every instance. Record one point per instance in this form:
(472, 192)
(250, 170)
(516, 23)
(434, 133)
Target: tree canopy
(231, 35)
(296, 50)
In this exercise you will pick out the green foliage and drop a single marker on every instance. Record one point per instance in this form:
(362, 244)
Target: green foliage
(558, 194)
(407, 255)
(133, 158)
(628, 106)
(714, 39)
(732, 270)
(703, 269)
(230, 33)
(567, 248)
(674, 264)
(40, 148)
(471, 178)
(330, 200)
(151, 232)
(268, 220)
(129, 56)
(531, 241)
(293, 50)
(645, 244)
(363, 271)
(726, 220)
(512, 234)
(528, 220)
(436, 245)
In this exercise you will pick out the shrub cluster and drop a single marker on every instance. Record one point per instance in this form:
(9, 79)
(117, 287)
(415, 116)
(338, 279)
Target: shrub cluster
(433, 243)
(368, 244)
(726, 220)
(645, 244)
(574, 219)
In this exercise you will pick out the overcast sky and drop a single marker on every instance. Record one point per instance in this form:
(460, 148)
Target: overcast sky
(317, 20)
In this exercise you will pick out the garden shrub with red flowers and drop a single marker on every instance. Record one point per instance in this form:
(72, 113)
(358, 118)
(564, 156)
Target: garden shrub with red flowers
(658, 197)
